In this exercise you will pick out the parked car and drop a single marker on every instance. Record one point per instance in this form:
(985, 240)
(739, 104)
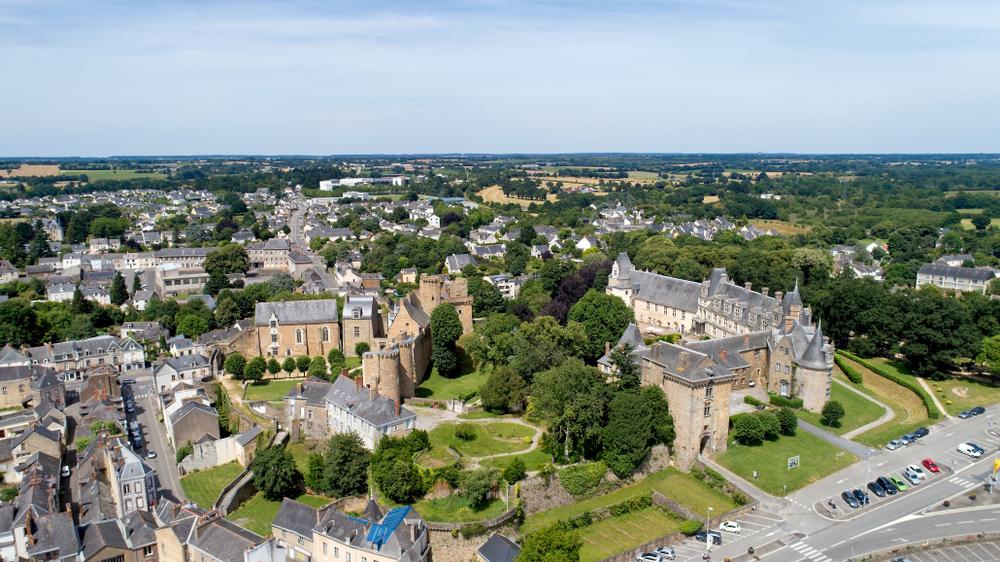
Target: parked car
(716, 536)
(151, 453)
(850, 499)
(965, 415)
(128, 381)
(967, 449)
(921, 432)
(930, 465)
(752, 384)
(730, 527)
(910, 438)
(981, 450)
(876, 488)
(65, 471)
(666, 553)
(919, 472)
(647, 557)
(894, 444)
(898, 483)
(905, 440)
(978, 410)
(886, 485)
(901, 560)
(911, 477)
(861, 497)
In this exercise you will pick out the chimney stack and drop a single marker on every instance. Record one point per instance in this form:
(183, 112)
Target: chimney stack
(357, 384)
(372, 392)
(722, 354)
(397, 407)
(788, 323)
(778, 296)
(764, 291)
(344, 372)
(748, 285)
(298, 388)
(607, 348)
(746, 341)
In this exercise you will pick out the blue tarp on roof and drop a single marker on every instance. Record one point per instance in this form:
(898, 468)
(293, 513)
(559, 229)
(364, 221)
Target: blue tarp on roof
(380, 532)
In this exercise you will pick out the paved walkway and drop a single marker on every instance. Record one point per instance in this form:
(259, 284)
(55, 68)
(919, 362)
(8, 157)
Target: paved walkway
(858, 449)
(767, 501)
(887, 416)
(923, 383)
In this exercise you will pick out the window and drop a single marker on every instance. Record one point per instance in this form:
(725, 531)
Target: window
(326, 334)
(708, 392)
(274, 338)
(4, 391)
(786, 369)
(127, 489)
(128, 505)
(288, 352)
(298, 336)
(302, 541)
(336, 552)
(138, 503)
(309, 414)
(274, 323)
(147, 551)
(708, 409)
(138, 487)
(357, 332)
(777, 367)
(284, 535)
(324, 548)
(647, 306)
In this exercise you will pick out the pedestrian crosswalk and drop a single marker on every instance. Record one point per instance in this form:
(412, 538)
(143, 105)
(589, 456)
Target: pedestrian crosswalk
(809, 552)
(961, 481)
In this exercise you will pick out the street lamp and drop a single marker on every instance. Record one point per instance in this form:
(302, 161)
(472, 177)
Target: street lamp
(868, 476)
(708, 529)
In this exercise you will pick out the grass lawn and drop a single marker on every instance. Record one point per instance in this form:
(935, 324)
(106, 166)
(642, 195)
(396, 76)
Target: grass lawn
(477, 416)
(94, 175)
(301, 454)
(649, 176)
(817, 459)
(676, 485)
(261, 511)
(488, 440)
(204, 487)
(531, 460)
(455, 509)
(270, 390)
(909, 408)
(975, 393)
(436, 386)
(352, 362)
(618, 534)
(858, 411)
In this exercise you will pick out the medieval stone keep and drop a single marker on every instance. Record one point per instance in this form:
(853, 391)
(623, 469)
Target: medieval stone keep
(755, 337)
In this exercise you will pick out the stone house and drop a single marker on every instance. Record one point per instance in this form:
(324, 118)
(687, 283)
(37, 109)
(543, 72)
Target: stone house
(291, 329)
(131, 480)
(15, 384)
(170, 371)
(72, 358)
(397, 536)
(36, 439)
(192, 421)
(48, 387)
(362, 323)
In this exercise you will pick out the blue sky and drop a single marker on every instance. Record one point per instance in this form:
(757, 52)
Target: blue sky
(98, 78)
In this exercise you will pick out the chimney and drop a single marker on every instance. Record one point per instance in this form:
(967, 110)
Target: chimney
(748, 285)
(778, 296)
(344, 372)
(397, 407)
(49, 346)
(722, 354)
(298, 388)
(357, 384)
(607, 348)
(764, 291)
(372, 392)
(788, 323)
(746, 341)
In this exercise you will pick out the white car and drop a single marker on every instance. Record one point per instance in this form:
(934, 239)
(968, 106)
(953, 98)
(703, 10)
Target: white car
(915, 469)
(65, 471)
(967, 449)
(730, 527)
(666, 553)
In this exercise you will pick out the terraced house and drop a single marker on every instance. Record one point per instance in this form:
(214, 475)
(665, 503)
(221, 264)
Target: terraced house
(72, 358)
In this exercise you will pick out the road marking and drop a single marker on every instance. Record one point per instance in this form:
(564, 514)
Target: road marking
(837, 544)
(963, 522)
(771, 533)
(943, 525)
(842, 481)
(990, 519)
(881, 463)
(901, 540)
(950, 434)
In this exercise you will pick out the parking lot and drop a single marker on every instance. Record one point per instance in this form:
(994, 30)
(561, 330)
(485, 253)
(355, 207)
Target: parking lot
(979, 552)
(751, 525)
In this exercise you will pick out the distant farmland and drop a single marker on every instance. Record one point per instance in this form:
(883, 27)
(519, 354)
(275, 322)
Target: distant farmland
(94, 175)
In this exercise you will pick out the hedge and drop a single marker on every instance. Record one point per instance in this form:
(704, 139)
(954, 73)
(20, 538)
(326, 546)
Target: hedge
(752, 401)
(932, 411)
(790, 402)
(690, 527)
(847, 369)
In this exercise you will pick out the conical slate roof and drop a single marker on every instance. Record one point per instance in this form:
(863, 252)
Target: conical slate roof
(814, 357)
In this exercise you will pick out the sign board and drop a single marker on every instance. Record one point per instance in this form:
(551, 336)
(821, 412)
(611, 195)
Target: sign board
(793, 462)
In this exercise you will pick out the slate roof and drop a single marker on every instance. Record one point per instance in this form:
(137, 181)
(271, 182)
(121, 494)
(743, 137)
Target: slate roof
(10, 355)
(183, 363)
(378, 412)
(499, 548)
(297, 312)
(223, 539)
(685, 364)
(47, 380)
(6, 519)
(362, 305)
(189, 407)
(140, 527)
(296, 517)
(814, 356)
(34, 430)
(49, 466)
(247, 436)
(55, 534)
(96, 502)
(19, 373)
(972, 273)
(95, 537)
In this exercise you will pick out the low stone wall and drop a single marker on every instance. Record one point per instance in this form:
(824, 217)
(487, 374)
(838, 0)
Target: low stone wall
(351, 504)
(498, 521)
(539, 494)
(663, 501)
(459, 549)
(243, 491)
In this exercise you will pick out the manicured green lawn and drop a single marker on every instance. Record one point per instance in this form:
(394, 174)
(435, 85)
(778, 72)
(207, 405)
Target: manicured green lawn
(908, 407)
(270, 390)
(817, 459)
(436, 386)
(858, 411)
(618, 534)
(477, 416)
(352, 362)
(676, 485)
(486, 442)
(204, 487)
(976, 394)
(455, 509)
(301, 454)
(531, 460)
(261, 511)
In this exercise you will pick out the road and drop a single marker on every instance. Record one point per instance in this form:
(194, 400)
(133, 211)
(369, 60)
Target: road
(154, 435)
(813, 531)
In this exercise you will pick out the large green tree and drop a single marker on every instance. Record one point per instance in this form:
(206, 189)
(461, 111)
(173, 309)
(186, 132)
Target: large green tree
(217, 282)
(346, 466)
(493, 340)
(275, 473)
(119, 292)
(604, 318)
(254, 371)
(393, 471)
(543, 344)
(627, 436)
(504, 391)
(235, 364)
(487, 299)
(446, 328)
(936, 332)
(232, 258)
(551, 544)
(572, 398)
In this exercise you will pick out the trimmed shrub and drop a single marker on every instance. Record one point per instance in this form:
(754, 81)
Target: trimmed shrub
(795, 403)
(690, 526)
(752, 401)
(852, 374)
(635, 503)
(932, 411)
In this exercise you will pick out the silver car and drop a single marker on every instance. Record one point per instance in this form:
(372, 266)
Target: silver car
(666, 553)
(894, 444)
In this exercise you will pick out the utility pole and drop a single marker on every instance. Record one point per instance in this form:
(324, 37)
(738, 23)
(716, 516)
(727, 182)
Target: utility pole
(708, 529)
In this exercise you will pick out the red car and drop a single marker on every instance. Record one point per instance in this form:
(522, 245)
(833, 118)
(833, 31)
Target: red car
(929, 465)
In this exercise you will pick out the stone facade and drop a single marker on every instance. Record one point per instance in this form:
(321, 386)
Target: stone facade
(292, 329)
(436, 289)
(362, 323)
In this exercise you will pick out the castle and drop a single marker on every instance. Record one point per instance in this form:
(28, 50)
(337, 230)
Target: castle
(754, 337)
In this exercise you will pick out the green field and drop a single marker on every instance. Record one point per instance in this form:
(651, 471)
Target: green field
(908, 407)
(618, 534)
(301, 454)
(858, 411)
(531, 460)
(651, 176)
(967, 223)
(676, 485)
(455, 509)
(94, 175)
(204, 487)
(477, 416)
(976, 394)
(260, 511)
(505, 437)
(438, 387)
(270, 390)
(817, 459)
